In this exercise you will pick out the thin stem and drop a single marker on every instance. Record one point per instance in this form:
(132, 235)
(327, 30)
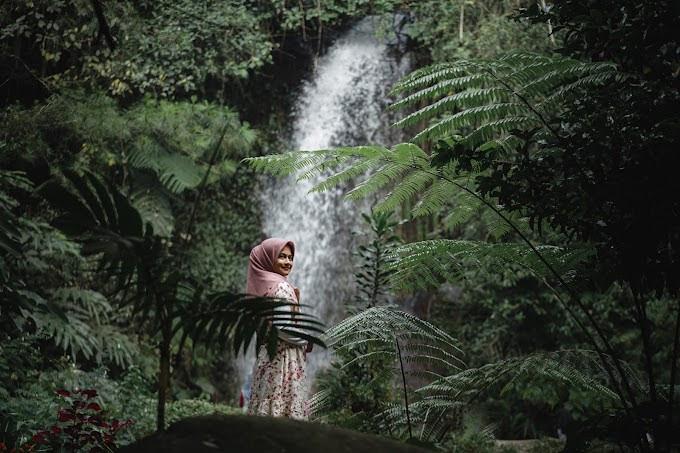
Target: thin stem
(674, 369)
(403, 379)
(204, 182)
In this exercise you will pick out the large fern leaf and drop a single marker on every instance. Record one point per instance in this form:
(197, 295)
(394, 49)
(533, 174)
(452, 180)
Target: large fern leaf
(381, 327)
(430, 263)
(488, 99)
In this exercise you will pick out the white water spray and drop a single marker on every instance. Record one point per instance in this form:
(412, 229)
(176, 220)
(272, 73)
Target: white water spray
(344, 104)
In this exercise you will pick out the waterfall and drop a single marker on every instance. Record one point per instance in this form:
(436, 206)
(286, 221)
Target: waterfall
(344, 103)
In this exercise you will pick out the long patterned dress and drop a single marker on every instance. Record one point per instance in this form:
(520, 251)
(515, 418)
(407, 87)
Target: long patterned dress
(278, 385)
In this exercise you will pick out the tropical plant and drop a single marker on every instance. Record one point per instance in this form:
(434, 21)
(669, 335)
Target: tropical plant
(352, 391)
(147, 272)
(373, 273)
(78, 321)
(483, 116)
(399, 341)
(80, 426)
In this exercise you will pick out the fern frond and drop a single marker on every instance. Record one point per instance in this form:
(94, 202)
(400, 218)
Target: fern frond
(426, 263)
(427, 76)
(380, 327)
(573, 368)
(469, 98)
(444, 88)
(319, 402)
(464, 207)
(489, 94)
(407, 189)
(385, 175)
(288, 163)
(470, 117)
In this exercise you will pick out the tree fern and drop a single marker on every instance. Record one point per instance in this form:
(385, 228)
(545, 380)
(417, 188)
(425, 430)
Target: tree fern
(507, 107)
(381, 326)
(517, 91)
(429, 263)
(175, 171)
(441, 402)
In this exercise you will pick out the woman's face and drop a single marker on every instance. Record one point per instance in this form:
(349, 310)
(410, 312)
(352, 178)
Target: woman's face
(284, 262)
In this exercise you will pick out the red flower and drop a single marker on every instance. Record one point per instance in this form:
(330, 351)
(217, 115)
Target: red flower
(94, 406)
(89, 393)
(65, 415)
(64, 393)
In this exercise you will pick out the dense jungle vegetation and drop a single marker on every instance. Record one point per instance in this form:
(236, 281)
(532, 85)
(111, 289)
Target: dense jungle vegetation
(531, 217)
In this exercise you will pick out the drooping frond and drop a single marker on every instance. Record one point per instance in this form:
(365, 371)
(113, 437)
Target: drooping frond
(486, 100)
(319, 402)
(228, 318)
(438, 405)
(381, 328)
(429, 263)
(96, 213)
(572, 368)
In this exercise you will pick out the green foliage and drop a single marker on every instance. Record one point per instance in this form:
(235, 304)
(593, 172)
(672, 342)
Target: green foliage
(78, 321)
(168, 49)
(31, 405)
(185, 52)
(159, 148)
(373, 273)
(487, 101)
(381, 327)
(225, 233)
(354, 391)
(483, 31)
(430, 263)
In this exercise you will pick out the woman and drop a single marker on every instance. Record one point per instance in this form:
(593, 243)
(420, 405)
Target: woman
(278, 384)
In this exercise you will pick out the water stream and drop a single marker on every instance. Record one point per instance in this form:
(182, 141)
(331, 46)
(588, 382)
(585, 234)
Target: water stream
(342, 104)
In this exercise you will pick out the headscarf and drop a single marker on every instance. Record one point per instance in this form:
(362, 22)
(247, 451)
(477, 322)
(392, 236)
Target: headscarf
(261, 275)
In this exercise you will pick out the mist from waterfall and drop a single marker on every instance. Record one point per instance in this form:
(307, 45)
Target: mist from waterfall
(344, 103)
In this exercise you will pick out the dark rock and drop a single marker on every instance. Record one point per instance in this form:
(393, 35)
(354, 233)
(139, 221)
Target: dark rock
(243, 434)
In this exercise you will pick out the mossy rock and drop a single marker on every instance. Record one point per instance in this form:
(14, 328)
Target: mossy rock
(243, 434)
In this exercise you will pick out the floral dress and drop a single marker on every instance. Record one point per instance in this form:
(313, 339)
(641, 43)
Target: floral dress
(278, 385)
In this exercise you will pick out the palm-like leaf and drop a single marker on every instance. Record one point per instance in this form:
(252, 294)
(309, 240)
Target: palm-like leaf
(228, 318)
(103, 219)
(381, 327)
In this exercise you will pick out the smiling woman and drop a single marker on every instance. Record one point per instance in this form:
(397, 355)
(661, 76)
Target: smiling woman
(284, 262)
(278, 382)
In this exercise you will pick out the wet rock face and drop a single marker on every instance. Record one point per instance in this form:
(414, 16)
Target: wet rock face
(244, 434)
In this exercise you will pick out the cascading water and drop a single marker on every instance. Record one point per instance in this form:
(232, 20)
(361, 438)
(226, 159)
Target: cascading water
(344, 104)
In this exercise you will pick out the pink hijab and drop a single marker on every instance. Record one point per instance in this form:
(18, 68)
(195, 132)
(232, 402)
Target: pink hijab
(261, 275)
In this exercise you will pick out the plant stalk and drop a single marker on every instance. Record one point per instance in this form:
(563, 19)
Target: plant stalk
(403, 380)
